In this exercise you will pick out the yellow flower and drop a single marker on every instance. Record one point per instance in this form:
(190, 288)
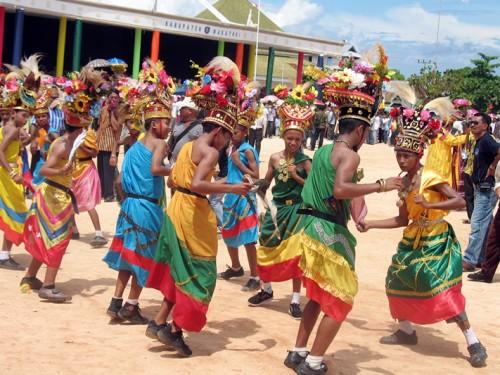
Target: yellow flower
(278, 88)
(81, 103)
(298, 92)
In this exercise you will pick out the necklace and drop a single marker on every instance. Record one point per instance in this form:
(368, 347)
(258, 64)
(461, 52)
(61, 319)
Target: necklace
(344, 142)
(283, 165)
(403, 193)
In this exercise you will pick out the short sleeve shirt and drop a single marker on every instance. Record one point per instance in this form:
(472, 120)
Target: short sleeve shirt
(485, 152)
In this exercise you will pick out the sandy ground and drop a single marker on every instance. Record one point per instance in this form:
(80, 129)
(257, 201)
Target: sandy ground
(42, 338)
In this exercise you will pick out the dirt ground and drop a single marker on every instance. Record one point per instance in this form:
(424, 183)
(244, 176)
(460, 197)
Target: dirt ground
(78, 338)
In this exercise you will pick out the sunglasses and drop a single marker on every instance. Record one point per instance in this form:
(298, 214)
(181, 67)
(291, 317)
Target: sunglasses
(472, 123)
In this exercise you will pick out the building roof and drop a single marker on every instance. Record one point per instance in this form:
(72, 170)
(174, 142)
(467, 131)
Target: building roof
(237, 11)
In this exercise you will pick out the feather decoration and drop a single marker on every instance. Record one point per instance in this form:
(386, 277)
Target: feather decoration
(91, 76)
(442, 106)
(403, 90)
(221, 64)
(28, 72)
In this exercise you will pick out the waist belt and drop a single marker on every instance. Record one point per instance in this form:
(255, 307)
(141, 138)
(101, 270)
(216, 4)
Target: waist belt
(146, 198)
(328, 217)
(189, 192)
(67, 190)
(84, 159)
(287, 202)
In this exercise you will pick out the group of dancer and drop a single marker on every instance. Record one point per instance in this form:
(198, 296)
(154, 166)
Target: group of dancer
(303, 234)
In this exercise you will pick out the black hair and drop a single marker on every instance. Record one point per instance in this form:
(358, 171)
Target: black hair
(485, 117)
(71, 129)
(209, 127)
(348, 125)
(147, 123)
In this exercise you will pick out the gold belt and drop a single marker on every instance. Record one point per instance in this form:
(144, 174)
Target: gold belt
(421, 224)
(425, 223)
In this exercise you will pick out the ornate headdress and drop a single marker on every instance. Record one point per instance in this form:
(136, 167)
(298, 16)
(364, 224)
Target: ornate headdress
(152, 96)
(42, 103)
(248, 108)
(356, 86)
(296, 112)
(22, 84)
(81, 90)
(219, 91)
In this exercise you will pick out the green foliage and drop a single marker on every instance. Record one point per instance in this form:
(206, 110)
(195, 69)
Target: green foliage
(479, 83)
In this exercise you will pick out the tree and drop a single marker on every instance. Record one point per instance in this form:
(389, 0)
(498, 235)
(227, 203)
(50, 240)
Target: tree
(479, 83)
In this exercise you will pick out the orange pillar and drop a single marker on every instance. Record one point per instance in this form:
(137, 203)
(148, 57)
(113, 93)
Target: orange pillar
(239, 55)
(300, 67)
(155, 46)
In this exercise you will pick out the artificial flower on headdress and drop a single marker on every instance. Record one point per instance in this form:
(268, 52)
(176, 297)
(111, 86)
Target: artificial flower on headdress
(355, 86)
(151, 96)
(22, 83)
(295, 111)
(302, 95)
(313, 73)
(218, 91)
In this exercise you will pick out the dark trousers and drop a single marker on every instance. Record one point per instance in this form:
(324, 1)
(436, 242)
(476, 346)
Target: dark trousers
(492, 257)
(34, 160)
(255, 138)
(106, 174)
(317, 133)
(468, 194)
(270, 129)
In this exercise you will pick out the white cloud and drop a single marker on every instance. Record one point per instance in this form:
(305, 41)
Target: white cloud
(411, 24)
(294, 12)
(180, 7)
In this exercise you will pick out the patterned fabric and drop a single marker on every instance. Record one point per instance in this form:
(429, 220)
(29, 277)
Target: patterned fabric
(56, 121)
(185, 270)
(240, 221)
(13, 208)
(86, 184)
(287, 199)
(140, 220)
(49, 225)
(320, 251)
(424, 280)
(106, 136)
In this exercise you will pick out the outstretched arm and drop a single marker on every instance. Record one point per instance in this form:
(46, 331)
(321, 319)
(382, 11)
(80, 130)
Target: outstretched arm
(394, 222)
(205, 166)
(344, 188)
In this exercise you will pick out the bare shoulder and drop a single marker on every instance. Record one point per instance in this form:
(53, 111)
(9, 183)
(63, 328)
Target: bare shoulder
(201, 150)
(344, 156)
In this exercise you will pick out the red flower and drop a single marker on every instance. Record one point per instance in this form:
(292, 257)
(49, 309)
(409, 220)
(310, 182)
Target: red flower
(205, 90)
(221, 101)
(434, 124)
(394, 112)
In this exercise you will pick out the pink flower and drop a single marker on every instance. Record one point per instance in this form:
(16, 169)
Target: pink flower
(408, 112)
(11, 85)
(218, 87)
(425, 115)
(163, 78)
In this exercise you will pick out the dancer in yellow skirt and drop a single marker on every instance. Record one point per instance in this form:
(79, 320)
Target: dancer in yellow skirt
(12, 204)
(185, 270)
(49, 225)
(19, 95)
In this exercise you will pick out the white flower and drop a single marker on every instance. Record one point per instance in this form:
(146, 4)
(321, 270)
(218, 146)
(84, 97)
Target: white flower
(357, 80)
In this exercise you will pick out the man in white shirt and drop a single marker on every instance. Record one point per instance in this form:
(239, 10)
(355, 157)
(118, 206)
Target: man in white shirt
(270, 114)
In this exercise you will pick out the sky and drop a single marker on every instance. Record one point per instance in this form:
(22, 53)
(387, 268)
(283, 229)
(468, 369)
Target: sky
(407, 29)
